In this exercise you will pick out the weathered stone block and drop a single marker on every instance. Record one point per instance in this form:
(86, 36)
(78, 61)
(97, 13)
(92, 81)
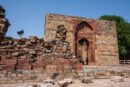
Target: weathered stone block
(23, 61)
(51, 68)
(24, 67)
(32, 52)
(15, 54)
(10, 61)
(19, 81)
(79, 66)
(8, 67)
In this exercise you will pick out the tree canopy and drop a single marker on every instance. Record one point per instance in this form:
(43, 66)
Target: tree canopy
(123, 34)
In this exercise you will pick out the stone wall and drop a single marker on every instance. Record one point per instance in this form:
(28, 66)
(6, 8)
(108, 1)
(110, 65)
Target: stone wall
(107, 46)
(29, 54)
(19, 53)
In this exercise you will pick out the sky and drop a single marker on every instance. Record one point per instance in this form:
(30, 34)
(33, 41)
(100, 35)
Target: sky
(29, 15)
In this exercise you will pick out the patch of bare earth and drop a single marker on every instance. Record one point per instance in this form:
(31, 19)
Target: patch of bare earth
(77, 83)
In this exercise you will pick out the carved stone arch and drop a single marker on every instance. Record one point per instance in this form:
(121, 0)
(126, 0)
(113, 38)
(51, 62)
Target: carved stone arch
(83, 29)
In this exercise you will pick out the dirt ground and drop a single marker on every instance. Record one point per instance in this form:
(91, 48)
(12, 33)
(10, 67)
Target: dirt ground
(77, 83)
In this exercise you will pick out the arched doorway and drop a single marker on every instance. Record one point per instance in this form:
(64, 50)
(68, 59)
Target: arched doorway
(84, 42)
(82, 50)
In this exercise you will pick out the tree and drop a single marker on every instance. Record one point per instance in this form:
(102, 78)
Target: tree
(20, 33)
(123, 34)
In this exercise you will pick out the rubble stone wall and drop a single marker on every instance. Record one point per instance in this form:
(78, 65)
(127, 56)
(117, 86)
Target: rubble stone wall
(28, 54)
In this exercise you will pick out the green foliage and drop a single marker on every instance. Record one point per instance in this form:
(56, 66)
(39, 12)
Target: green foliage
(123, 34)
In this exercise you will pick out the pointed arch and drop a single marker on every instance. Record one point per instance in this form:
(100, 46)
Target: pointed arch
(83, 39)
(82, 25)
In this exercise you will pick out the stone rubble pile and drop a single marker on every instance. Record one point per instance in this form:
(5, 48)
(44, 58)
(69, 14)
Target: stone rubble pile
(65, 82)
(4, 23)
(21, 52)
(28, 54)
(87, 80)
(59, 47)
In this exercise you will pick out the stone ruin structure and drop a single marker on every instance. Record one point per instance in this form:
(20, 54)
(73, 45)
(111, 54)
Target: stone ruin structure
(68, 41)
(69, 44)
(91, 42)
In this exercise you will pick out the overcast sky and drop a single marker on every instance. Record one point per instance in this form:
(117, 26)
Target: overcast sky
(29, 15)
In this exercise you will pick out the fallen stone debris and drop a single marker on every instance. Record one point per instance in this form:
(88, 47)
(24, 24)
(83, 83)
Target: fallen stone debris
(117, 79)
(65, 82)
(87, 80)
